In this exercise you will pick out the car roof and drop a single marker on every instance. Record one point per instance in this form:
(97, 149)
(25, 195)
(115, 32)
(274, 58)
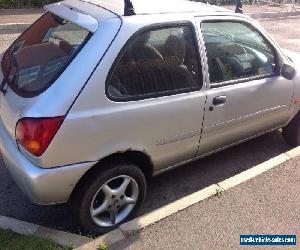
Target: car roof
(89, 13)
(144, 7)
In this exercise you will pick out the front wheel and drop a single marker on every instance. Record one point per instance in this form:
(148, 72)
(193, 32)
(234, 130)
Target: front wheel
(110, 198)
(291, 133)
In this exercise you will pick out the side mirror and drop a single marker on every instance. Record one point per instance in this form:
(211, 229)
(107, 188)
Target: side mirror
(288, 72)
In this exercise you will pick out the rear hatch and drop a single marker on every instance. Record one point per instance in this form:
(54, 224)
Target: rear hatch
(41, 73)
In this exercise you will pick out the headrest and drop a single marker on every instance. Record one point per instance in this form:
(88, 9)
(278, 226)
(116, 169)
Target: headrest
(174, 46)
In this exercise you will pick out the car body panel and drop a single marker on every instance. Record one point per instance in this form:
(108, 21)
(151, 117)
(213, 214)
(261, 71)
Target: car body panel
(97, 12)
(106, 120)
(42, 186)
(166, 129)
(157, 6)
(242, 117)
(65, 89)
(68, 13)
(251, 107)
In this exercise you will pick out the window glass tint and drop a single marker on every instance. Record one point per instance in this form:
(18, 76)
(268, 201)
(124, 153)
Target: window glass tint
(156, 63)
(235, 50)
(36, 58)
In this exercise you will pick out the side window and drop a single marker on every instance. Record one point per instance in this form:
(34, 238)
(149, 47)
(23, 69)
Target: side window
(157, 63)
(235, 51)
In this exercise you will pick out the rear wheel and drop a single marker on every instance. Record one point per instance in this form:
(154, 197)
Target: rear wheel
(110, 198)
(291, 133)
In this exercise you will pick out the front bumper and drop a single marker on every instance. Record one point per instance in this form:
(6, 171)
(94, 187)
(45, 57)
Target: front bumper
(42, 186)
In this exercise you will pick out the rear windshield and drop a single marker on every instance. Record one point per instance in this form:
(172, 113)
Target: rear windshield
(41, 53)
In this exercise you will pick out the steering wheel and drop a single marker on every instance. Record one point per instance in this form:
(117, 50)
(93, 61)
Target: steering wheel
(243, 49)
(235, 50)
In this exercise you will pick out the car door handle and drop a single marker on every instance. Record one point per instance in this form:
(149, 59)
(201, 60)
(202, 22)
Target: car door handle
(219, 100)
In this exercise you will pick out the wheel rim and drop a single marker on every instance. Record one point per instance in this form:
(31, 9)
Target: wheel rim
(114, 201)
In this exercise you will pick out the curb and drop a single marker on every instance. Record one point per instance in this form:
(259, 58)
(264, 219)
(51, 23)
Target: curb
(135, 225)
(20, 27)
(26, 228)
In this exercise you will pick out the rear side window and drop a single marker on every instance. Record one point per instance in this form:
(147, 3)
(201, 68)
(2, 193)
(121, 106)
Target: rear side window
(40, 54)
(155, 63)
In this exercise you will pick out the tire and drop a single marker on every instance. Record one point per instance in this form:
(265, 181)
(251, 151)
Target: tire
(93, 194)
(291, 133)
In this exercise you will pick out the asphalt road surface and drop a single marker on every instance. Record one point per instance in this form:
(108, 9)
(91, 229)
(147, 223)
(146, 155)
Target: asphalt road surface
(266, 204)
(174, 184)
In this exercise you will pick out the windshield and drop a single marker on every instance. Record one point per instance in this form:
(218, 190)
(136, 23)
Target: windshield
(41, 53)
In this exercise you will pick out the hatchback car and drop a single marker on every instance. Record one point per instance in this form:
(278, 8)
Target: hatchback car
(99, 96)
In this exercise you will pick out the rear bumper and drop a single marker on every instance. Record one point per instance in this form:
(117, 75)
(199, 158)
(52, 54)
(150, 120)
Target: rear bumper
(42, 186)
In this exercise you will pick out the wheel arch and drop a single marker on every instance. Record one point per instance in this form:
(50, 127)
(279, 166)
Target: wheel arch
(139, 158)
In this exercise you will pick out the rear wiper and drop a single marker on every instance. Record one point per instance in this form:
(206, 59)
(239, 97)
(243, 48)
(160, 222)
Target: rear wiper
(3, 85)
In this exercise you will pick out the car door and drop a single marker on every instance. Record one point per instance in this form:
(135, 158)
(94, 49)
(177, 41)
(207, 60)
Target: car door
(246, 95)
(156, 88)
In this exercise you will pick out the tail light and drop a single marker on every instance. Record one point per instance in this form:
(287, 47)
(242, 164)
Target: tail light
(35, 134)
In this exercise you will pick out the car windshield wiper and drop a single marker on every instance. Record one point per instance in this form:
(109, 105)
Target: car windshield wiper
(3, 85)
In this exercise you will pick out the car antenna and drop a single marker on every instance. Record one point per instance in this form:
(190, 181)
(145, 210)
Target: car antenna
(128, 8)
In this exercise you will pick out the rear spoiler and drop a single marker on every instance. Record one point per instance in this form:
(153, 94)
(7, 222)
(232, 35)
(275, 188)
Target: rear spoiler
(81, 19)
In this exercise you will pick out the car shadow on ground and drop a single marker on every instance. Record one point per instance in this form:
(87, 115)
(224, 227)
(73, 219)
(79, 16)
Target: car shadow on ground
(202, 173)
(163, 189)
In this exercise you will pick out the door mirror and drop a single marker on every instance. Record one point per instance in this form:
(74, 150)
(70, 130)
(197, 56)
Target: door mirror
(288, 72)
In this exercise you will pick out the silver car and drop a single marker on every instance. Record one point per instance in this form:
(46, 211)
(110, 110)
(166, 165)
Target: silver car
(99, 96)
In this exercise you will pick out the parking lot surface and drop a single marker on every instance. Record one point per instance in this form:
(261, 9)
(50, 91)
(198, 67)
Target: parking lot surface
(266, 204)
(176, 183)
